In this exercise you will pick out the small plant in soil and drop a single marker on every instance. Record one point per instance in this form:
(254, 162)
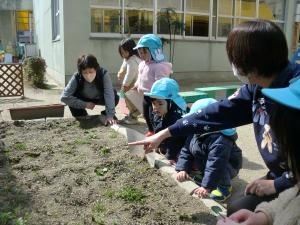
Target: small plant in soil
(99, 208)
(109, 193)
(113, 134)
(104, 150)
(101, 171)
(20, 146)
(68, 151)
(98, 220)
(131, 194)
(92, 136)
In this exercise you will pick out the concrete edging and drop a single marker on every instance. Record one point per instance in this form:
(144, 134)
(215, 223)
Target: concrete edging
(160, 162)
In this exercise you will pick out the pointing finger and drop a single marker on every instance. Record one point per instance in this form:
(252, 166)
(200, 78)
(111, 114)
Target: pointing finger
(142, 142)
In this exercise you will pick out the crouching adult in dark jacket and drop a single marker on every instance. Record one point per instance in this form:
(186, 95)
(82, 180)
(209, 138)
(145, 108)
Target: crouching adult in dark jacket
(215, 156)
(89, 86)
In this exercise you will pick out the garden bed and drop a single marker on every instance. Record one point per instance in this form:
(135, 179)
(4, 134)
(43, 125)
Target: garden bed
(55, 172)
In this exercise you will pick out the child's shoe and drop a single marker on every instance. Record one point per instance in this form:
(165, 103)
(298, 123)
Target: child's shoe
(149, 133)
(221, 193)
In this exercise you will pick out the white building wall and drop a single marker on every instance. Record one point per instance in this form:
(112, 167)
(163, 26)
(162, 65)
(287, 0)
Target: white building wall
(52, 51)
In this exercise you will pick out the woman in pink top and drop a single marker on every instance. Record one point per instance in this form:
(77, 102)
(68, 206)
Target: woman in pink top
(152, 68)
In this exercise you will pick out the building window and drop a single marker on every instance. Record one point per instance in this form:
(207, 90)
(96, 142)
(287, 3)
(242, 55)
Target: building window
(24, 26)
(55, 19)
(196, 19)
(170, 17)
(138, 16)
(106, 16)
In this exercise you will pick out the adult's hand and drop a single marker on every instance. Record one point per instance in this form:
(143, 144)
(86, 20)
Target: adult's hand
(261, 187)
(246, 217)
(109, 121)
(90, 105)
(153, 141)
(226, 221)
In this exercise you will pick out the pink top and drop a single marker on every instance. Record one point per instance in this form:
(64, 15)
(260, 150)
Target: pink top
(149, 72)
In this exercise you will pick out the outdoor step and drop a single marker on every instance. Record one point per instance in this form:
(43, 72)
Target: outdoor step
(192, 96)
(211, 91)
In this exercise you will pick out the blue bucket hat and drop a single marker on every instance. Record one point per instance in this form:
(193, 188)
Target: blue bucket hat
(289, 96)
(154, 44)
(167, 88)
(201, 104)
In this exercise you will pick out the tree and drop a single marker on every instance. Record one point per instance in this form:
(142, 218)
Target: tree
(169, 17)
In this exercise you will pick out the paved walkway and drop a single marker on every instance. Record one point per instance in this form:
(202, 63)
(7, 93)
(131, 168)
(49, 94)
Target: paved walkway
(253, 166)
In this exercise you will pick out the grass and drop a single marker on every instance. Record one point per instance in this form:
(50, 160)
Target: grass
(7, 218)
(99, 208)
(79, 141)
(20, 146)
(109, 193)
(131, 194)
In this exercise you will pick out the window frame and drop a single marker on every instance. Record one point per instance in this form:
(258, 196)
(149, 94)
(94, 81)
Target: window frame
(212, 25)
(55, 14)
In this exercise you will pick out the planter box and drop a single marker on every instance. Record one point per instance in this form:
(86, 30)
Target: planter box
(37, 112)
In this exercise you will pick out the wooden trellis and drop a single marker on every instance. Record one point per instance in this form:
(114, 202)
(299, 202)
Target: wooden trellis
(11, 80)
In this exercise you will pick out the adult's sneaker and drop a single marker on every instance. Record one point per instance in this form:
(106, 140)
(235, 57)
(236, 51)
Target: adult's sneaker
(130, 120)
(221, 193)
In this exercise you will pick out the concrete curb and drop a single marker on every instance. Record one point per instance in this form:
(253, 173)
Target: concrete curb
(156, 160)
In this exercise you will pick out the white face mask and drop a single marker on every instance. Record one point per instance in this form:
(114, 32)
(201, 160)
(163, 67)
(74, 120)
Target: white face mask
(243, 79)
(89, 74)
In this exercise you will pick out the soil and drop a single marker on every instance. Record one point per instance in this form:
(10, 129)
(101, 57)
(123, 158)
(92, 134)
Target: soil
(56, 172)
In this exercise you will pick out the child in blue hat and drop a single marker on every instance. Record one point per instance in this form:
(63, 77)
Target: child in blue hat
(215, 155)
(152, 68)
(168, 106)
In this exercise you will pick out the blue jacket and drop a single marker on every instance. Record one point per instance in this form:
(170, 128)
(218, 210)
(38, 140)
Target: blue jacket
(247, 105)
(172, 145)
(213, 154)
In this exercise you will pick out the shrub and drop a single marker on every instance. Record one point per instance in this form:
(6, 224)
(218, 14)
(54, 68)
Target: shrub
(34, 69)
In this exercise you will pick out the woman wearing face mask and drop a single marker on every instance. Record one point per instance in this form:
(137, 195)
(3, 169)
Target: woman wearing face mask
(89, 86)
(258, 53)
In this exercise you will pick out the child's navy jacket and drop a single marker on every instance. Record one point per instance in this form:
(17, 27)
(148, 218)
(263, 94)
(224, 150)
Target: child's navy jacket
(247, 105)
(214, 153)
(172, 145)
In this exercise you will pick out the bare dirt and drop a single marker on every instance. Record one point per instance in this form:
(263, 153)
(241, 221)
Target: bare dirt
(55, 172)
